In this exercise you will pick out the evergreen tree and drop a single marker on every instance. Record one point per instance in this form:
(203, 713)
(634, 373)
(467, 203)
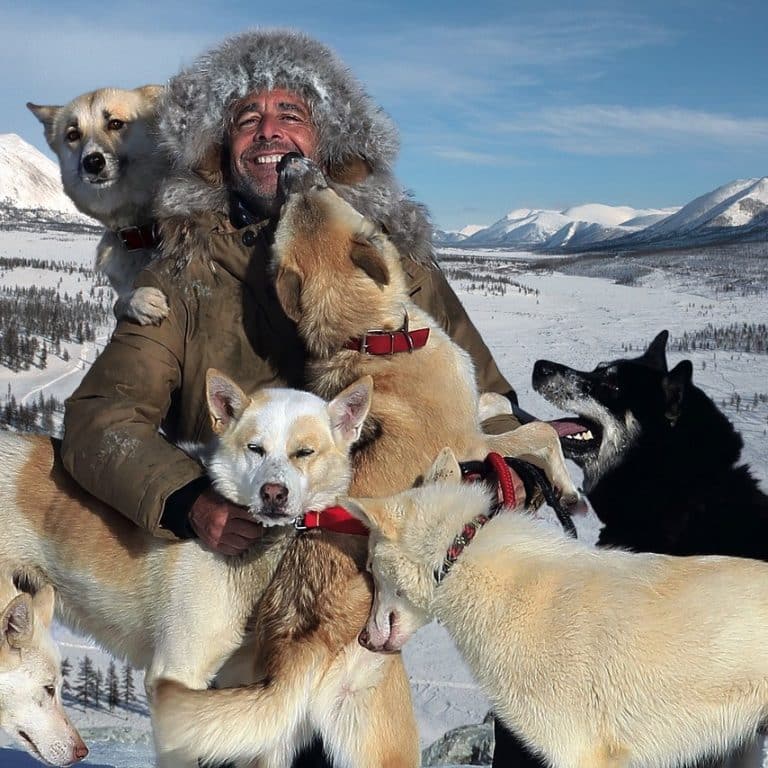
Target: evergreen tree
(129, 691)
(66, 670)
(113, 686)
(84, 684)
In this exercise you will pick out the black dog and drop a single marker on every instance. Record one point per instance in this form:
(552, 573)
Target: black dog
(660, 466)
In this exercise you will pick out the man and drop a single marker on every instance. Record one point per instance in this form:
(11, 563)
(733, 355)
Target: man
(226, 121)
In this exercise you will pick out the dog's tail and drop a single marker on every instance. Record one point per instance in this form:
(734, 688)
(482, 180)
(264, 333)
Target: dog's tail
(224, 724)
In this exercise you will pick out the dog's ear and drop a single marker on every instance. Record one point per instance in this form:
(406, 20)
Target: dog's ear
(349, 408)
(375, 514)
(656, 354)
(445, 468)
(46, 115)
(366, 257)
(17, 621)
(226, 401)
(43, 604)
(674, 385)
(288, 289)
(351, 171)
(151, 92)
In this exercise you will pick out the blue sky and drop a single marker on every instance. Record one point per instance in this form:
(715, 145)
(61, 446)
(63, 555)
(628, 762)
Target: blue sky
(500, 105)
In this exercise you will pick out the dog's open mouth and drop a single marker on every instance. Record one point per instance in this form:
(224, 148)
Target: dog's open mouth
(578, 435)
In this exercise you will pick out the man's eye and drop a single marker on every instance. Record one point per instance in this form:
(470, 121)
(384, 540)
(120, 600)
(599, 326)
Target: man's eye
(73, 134)
(247, 122)
(302, 453)
(256, 448)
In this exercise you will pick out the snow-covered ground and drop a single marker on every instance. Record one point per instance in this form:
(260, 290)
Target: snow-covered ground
(575, 320)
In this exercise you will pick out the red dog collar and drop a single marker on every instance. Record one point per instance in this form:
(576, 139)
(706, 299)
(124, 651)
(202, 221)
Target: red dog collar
(335, 519)
(139, 238)
(389, 342)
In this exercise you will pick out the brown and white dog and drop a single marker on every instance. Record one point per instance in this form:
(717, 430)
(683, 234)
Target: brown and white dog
(30, 678)
(595, 658)
(111, 166)
(176, 609)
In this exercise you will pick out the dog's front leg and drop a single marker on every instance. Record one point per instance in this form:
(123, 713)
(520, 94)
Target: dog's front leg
(539, 444)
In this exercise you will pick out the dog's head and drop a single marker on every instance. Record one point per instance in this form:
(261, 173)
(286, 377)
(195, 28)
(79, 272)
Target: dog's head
(282, 452)
(30, 682)
(336, 274)
(410, 534)
(107, 149)
(614, 404)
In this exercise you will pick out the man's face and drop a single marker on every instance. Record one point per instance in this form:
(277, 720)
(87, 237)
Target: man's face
(265, 126)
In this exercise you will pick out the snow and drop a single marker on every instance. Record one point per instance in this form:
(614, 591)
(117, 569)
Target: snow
(572, 319)
(28, 179)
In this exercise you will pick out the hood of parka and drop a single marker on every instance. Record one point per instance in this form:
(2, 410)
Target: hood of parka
(357, 141)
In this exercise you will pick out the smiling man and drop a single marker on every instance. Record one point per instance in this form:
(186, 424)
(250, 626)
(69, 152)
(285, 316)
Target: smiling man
(226, 121)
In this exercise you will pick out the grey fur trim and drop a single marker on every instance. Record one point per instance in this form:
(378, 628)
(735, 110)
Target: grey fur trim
(194, 111)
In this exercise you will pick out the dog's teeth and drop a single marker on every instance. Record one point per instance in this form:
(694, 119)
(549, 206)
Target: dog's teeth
(588, 435)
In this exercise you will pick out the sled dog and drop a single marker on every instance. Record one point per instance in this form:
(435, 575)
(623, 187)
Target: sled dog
(341, 280)
(595, 658)
(111, 166)
(30, 677)
(174, 608)
(660, 460)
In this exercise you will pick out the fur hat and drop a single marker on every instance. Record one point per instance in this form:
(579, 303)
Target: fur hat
(357, 141)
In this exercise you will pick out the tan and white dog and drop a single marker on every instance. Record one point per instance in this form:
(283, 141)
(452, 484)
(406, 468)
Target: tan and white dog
(337, 276)
(176, 609)
(111, 166)
(596, 658)
(30, 678)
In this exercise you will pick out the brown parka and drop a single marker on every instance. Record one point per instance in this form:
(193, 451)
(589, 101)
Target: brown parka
(146, 390)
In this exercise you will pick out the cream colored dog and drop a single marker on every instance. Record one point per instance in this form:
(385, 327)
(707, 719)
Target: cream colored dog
(30, 678)
(596, 658)
(111, 166)
(176, 609)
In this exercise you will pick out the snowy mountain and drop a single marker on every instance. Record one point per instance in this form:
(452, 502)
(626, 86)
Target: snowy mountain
(30, 187)
(578, 225)
(736, 210)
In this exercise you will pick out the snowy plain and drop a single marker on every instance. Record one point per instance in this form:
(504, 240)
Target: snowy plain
(572, 319)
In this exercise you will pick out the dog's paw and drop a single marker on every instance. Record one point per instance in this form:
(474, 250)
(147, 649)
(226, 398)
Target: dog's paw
(146, 306)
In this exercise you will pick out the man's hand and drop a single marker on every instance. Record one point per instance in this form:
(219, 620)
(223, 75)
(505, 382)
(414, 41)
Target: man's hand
(223, 527)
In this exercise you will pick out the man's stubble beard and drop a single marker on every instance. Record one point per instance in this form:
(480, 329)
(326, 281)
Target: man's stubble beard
(257, 201)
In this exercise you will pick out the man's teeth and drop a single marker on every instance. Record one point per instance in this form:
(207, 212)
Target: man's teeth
(268, 159)
(581, 436)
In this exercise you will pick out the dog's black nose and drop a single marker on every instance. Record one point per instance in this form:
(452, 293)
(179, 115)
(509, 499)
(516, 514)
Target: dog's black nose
(544, 368)
(94, 163)
(297, 173)
(274, 494)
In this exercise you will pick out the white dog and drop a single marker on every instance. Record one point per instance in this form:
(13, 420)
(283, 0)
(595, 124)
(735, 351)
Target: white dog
(596, 658)
(176, 609)
(30, 678)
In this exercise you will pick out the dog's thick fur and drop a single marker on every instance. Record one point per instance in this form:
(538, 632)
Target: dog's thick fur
(312, 676)
(176, 609)
(595, 658)
(111, 167)
(661, 462)
(338, 276)
(30, 677)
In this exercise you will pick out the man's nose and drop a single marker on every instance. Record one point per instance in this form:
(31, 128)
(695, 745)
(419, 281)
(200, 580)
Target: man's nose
(269, 128)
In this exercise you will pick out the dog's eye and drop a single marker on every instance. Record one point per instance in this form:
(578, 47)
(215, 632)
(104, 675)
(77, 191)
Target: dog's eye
(50, 690)
(73, 134)
(115, 125)
(302, 453)
(256, 448)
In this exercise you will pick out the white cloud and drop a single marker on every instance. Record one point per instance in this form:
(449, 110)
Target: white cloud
(616, 130)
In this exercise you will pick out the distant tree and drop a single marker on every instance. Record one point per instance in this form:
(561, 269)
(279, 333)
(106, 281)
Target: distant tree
(85, 681)
(129, 691)
(113, 686)
(66, 671)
